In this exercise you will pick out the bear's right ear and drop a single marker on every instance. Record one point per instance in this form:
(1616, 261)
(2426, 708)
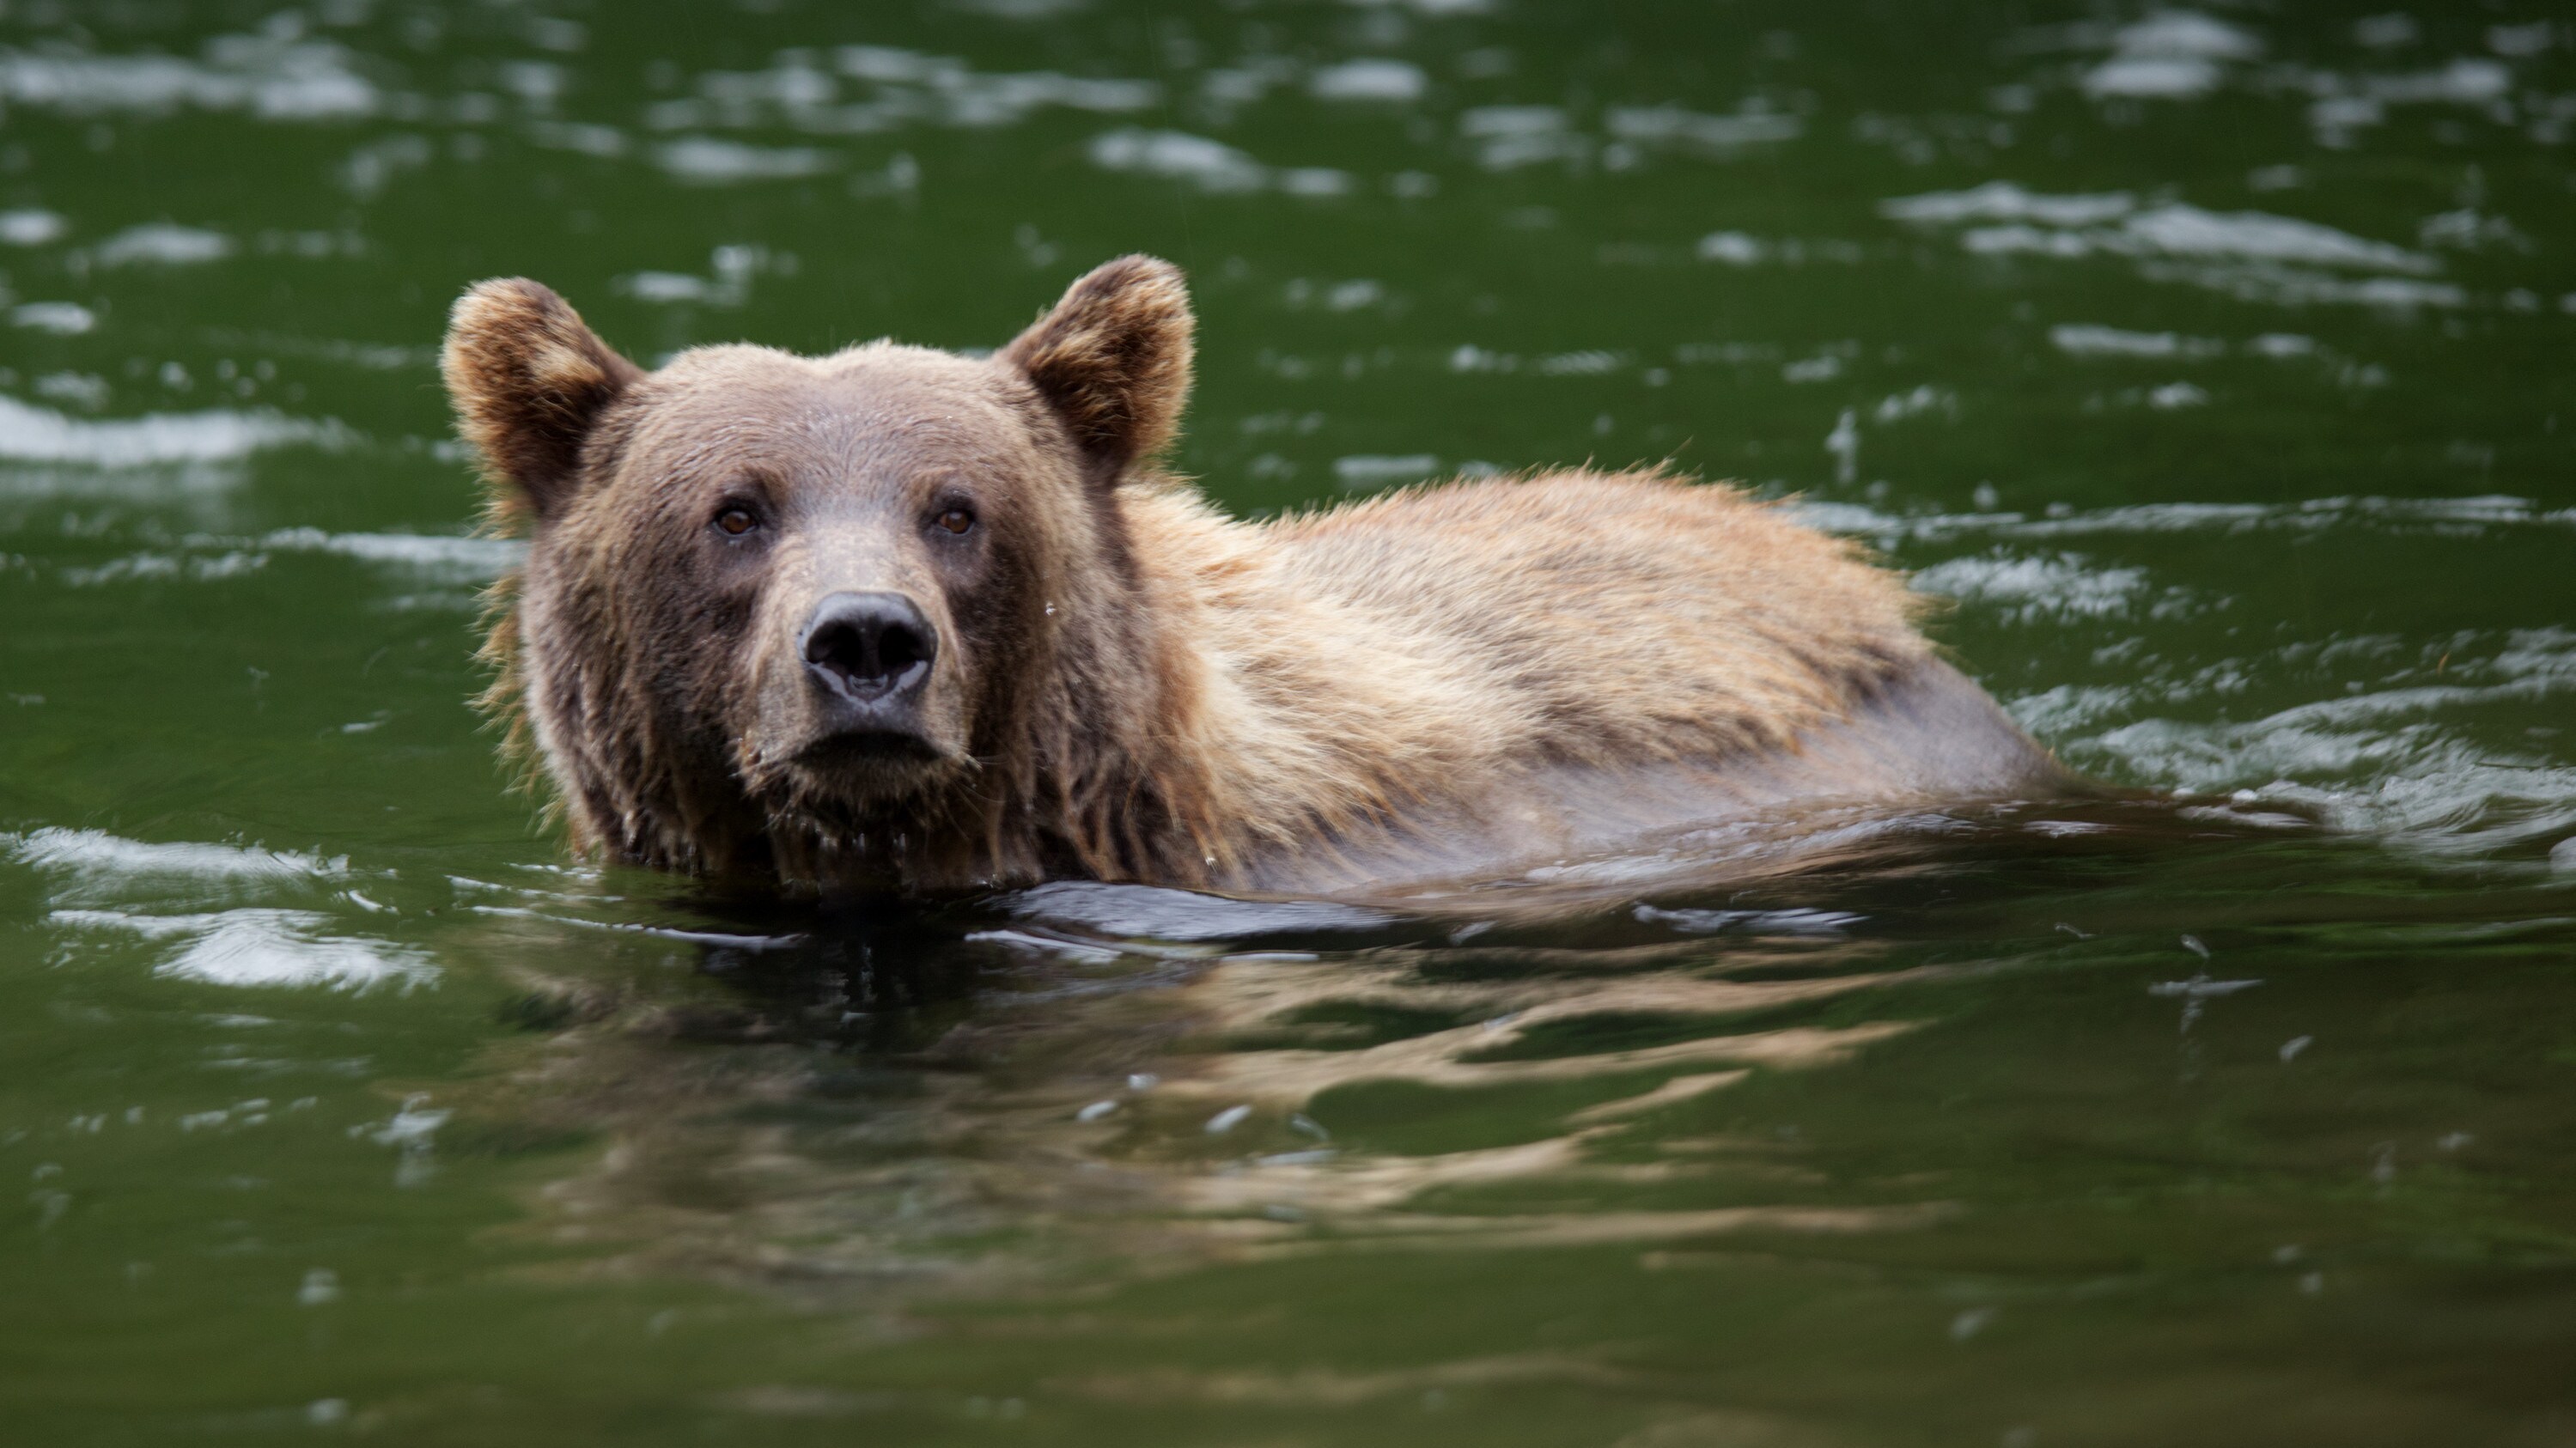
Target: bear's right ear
(528, 380)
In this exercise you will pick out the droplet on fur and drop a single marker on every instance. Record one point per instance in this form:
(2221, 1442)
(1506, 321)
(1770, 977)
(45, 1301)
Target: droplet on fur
(1095, 1111)
(1227, 1120)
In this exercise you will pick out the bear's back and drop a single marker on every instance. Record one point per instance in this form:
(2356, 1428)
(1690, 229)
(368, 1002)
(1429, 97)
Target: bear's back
(1645, 654)
(1621, 607)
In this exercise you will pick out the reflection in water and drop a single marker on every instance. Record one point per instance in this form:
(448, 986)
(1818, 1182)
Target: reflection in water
(879, 1093)
(1105, 1086)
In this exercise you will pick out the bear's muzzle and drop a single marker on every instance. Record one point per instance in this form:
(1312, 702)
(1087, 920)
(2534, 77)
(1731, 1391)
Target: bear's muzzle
(868, 658)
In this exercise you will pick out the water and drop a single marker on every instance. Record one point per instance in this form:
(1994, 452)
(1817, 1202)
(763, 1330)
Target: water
(2215, 364)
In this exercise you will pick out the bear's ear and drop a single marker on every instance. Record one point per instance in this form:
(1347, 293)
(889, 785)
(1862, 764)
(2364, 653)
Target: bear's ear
(528, 380)
(1113, 359)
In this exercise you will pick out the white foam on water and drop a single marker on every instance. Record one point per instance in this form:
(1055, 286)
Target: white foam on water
(1698, 130)
(63, 319)
(2281, 346)
(2301, 286)
(2170, 55)
(2345, 104)
(1592, 362)
(2176, 55)
(1000, 100)
(263, 948)
(1313, 181)
(2522, 40)
(2067, 709)
(210, 557)
(2159, 77)
(658, 286)
(455, 559)
(1372, 470)
(2457, 516)
(87, 866)
(708, 161)
(1178, 156)
(34, 434)
(2189, 231)
(31, 226)
(2004, 201)
(2183, 231)
(261, 76)
(792, 83)
(1508, 137)
(797, 90)
(893, 64)
(162, 244)
(1370, 79)
(2251, 255)
(2030, 589)
(159, 566)
(2468, 229)
(1735, 248)
(2085, 340)
(1924, 399)
(2187, 33)
(2463, 82)
(2417, 785)
(87, 389)
(2393, 761)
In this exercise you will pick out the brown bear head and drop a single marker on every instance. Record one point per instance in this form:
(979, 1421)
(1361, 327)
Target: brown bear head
(789, 614)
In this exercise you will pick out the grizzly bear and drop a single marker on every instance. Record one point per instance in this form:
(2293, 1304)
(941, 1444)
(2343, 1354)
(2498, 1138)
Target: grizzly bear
(904, 617)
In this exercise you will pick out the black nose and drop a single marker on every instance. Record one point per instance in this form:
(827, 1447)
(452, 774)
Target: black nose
(870, 646)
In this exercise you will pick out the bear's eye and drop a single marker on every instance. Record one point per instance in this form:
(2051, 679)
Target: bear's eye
(957, 520)
(735, 522)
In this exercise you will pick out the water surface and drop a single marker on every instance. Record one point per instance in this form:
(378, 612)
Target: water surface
(2214, 364)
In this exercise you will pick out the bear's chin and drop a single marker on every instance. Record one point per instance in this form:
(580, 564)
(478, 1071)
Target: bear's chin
(861, 773)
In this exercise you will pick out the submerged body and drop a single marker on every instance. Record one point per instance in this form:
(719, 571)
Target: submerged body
(897, 616)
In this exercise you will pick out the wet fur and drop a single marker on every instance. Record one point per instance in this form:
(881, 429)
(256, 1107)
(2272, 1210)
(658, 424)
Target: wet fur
(1426, 683)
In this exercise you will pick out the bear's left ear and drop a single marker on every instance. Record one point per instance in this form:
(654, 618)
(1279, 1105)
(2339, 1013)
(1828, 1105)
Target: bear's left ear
(529, 379)
(1113, 359)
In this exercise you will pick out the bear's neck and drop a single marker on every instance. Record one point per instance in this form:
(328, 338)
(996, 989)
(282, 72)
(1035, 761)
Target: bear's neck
(1116, 775)
(1172, 741)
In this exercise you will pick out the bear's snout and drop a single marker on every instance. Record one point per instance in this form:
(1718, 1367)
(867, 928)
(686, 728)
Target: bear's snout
(870, 654)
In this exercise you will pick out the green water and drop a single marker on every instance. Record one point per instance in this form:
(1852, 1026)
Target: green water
(2216, 366)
